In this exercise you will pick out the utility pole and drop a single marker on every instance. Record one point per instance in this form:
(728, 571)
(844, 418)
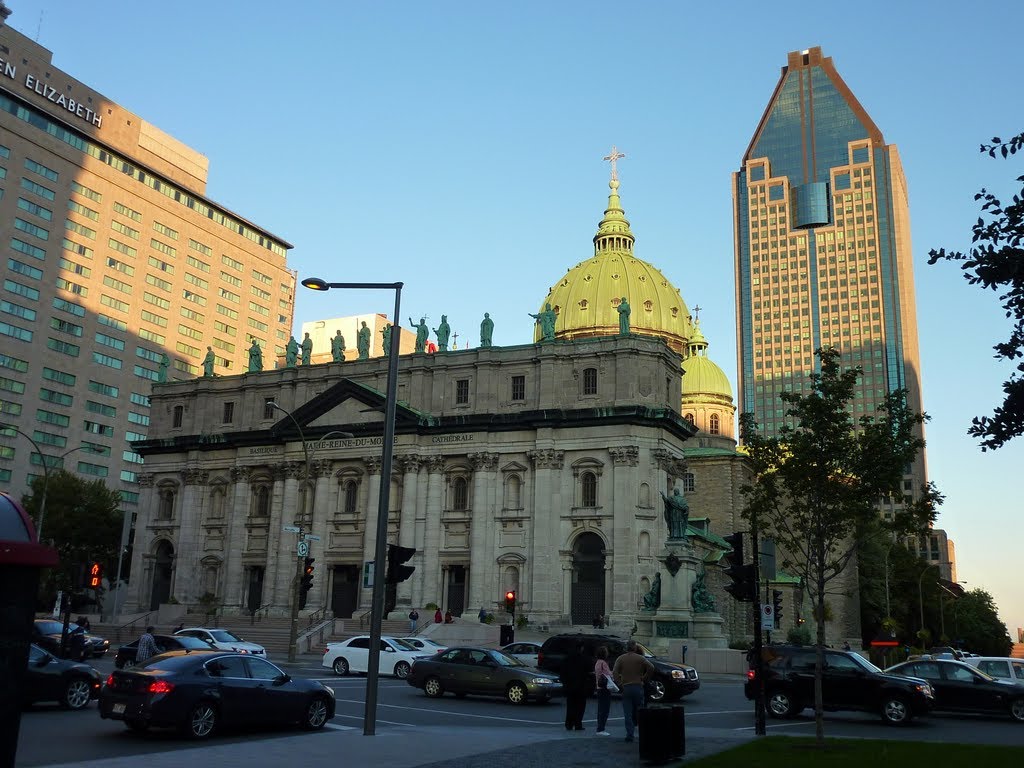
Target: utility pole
(759, 724)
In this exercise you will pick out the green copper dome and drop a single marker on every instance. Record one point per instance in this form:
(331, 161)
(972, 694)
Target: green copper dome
(701, 376)
(587, 297)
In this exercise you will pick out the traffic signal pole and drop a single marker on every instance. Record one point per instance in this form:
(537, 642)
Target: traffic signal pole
(759, 724)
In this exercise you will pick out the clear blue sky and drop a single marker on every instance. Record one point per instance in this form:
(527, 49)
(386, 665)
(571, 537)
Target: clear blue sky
(457, 146)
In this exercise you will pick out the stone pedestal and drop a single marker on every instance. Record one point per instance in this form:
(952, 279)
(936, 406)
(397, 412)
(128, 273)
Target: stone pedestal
(674, 619)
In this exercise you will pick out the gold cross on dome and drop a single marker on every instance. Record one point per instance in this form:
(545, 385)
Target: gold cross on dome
(612, 157)
(696, 312)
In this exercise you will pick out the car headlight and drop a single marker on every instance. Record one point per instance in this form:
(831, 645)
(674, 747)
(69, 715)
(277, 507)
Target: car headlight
(542, 681)
(678, 674)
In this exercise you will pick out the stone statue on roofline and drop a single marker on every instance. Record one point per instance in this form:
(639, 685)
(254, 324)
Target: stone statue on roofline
(677, 515)
(486, 330)
(255, 357)
(442, 332)
(291, 353)
(307, 350)
(546, 318)
(338, 347)
(363, 342)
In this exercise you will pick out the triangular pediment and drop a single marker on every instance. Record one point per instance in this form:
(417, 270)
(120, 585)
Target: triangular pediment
(349, 407)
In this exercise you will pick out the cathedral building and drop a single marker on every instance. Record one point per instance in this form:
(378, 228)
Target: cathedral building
(536, 467)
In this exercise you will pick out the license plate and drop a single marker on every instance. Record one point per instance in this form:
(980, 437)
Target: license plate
(118, 709)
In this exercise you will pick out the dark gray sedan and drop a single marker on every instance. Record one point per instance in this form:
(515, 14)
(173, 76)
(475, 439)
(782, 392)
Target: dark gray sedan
(482, 671)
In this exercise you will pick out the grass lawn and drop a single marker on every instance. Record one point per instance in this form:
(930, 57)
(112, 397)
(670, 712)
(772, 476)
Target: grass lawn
(789, 752)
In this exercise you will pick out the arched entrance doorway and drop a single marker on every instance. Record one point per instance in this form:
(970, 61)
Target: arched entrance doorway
(587, 578)
(163, 565)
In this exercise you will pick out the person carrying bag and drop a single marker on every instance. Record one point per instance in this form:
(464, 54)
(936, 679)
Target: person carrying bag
(605, 688)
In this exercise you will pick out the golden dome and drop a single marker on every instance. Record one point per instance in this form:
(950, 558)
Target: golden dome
(586, 299)
(702, 378)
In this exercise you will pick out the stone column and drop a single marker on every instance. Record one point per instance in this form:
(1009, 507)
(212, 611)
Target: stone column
(316, 524)
(371, 505)
(548, 598)
(185, 586)
(621, 568)
(280, 545)
(138, 592)
(410, 465)
(234, 545)
(430, 582)
(481, 558)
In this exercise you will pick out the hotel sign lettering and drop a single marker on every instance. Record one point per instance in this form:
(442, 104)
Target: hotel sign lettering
(34, 84)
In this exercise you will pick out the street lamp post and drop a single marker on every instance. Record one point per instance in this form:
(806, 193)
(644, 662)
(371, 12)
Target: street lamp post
(380, 552)
(920, 590)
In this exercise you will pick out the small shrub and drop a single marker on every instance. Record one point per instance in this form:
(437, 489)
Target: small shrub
(740, 645)
(522, 621)
(799, 635)
(431, 607)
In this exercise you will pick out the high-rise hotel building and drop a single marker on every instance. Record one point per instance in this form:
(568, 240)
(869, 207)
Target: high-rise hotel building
(112, 258)
(823, 255)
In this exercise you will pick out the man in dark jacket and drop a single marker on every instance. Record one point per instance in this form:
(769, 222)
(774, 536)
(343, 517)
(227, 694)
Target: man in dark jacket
(577, 685)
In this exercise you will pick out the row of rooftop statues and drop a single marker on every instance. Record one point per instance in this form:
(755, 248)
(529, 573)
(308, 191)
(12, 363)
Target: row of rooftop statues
(301, 354)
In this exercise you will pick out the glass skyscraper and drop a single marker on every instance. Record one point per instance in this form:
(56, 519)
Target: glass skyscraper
(823, 256)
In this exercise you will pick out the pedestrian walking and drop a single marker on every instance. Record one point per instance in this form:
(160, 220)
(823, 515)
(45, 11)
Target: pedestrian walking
(630, 671)
(147, 646)
(438, 618)
(577, 684)
(602, 673)
(414, 616)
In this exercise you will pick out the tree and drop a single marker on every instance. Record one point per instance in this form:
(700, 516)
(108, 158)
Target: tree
(976, 622)
(83, 518)
(996, 261)
(817, 484)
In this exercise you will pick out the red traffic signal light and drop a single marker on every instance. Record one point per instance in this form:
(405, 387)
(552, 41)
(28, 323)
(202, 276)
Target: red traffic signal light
(306, 583)
(510, 601)
(95, 576)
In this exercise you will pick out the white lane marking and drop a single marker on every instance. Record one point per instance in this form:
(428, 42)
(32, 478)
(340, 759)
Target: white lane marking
(388, 722)
(780, 725)
(457, 714)
(334, 727)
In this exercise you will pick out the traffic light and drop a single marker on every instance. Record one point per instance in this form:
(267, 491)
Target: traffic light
(95, 580)
(397, 572)
(777, 605)
(510, 602)
(742, 576)
(306, 583)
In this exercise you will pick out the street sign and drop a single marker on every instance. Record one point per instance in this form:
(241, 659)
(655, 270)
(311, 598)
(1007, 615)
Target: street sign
(368, 568)
(303, 548)
(291, 529)
(311, 537)
(768, 617)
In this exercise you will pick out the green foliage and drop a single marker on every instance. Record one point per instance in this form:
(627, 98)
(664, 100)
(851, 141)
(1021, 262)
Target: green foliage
(82, 518)
(799, 635)
(489, 618)
(994, 262)
(739, 645)
(521, 620)
(975, 620)
(431, 607)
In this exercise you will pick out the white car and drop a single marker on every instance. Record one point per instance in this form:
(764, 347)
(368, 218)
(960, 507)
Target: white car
(999, 667)
(525, 652)
(224, 639)
(424, 644)
(353, 655)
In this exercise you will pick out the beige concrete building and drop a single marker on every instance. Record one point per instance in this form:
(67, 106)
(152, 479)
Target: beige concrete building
(117, 271)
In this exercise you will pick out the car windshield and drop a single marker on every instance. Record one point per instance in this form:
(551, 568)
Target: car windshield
(864, 662)
(643, 650)
(223, 636)
(505, 660)
(50, 627)
(401, 645)
(192, 643)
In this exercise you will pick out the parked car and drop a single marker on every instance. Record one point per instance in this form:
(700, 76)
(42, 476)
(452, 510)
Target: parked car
(198, 693)
(395, 657)
(46, 633)
(670, 682)
(849, 682)
(482, 671)
(71, 684)
(224, 639)
(525, 652)
(126, 653)
(1003, 668)
(424, 644)
(960, 687)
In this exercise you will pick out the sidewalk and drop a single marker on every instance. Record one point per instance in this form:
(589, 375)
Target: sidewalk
(421, 747)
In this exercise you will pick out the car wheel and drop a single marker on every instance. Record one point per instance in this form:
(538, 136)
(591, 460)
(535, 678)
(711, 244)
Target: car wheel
(655, 690)
(316, 714)
(201, 721)
(139, 726)
(340, 666)
(516, 692)
(1017, 710)
(76, 693)
(402, 670)
(433, 688)
(780, 704)
(896, 711)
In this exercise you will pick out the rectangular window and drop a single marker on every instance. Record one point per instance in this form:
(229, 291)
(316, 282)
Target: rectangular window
(61, 377)
(53, 462)
(24, 269)
(138, 399)
(461, 391)
(148, 354)
(29, 250)
(10, 409)
(124, 248)
(110, 301)
(92, 194)
(12, 385)
(48, 438)
(193, 333)
(120, 266)
(13, 363)
(197, 281)
(227, 277)
(52, 396)
(163, 229)
(229, 412)
(17, 310)
(109, 341)
(83, 210)
(74, 226)
(124, 210)
(31, 229)
(226, 346)
(128, 477)
(131, 457)
(195, 298)
(156, 282)
(149, 335)
(231, 263)
(102, 389)
(258, 308)
(138, 418)
(117, 285)
(202, 266)
(42, 170)
(36, 210)
(96, 428)
(15, 332)
(37, 189)
(259, 292)
(128, 497)
(97, 449)
(163, 266)
(132, 437)
(100, 408)
(195, 245)
(146, 373)
(73, 247)
(269, 411)
(149, 317)
(259, 326)
(70, 287)
(230, 330)
(178, 416)
(164, 248)
(124, 229)
(156, 300)
(518, 387)
(227, 311)
(107, 360)
(49, 417)
(224, 293)
(69, 306)
(187, 349)
(64, 326)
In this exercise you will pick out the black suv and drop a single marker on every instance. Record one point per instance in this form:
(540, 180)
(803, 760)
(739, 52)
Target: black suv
(670, 681)
(849, 682)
